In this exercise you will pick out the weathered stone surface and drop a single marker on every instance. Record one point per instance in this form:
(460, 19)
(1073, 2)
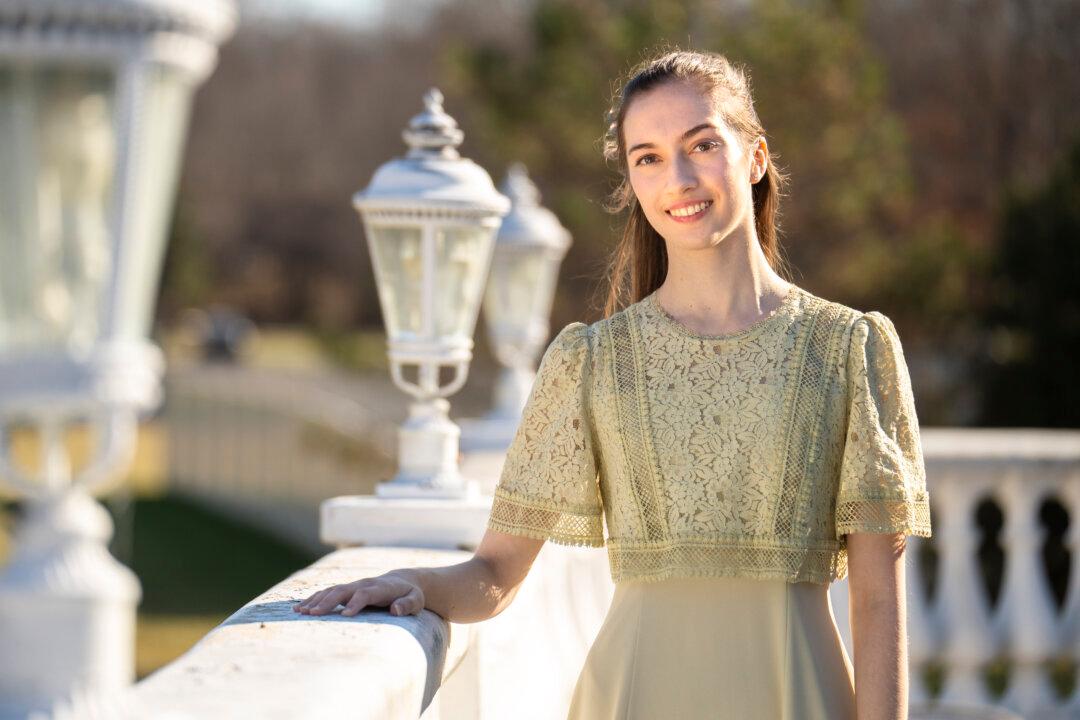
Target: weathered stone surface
(268, 662)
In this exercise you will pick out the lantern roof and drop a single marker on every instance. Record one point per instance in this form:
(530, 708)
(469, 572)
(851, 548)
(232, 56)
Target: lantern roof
(529, 223)
(432, 176)
(213, 20)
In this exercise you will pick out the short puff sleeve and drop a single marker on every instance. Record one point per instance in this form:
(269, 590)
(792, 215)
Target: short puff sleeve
(882, 485)
(548, 488)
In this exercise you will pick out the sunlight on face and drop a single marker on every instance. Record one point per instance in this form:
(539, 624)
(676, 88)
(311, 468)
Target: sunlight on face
(688, 169)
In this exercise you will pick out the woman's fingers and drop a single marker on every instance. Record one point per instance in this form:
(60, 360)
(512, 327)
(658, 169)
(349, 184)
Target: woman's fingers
(356, 603)
(318, 601)
(333, 597)
(409, 604)
(311, 601)
(381, 591)
(402, 597)
(303, 602)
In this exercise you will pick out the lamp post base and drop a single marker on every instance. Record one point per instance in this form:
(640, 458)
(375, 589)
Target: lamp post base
(427, 455)
(67, 607)
(404, 487)
(404, 522)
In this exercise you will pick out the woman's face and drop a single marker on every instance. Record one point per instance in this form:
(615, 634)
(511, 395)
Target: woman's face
(690, 172)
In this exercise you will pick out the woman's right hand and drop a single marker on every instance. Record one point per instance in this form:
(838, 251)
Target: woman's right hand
(470, 591)
(395, 589)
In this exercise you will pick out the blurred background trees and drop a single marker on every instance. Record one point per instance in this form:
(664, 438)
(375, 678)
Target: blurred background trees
(1033, 310)
(929, 146)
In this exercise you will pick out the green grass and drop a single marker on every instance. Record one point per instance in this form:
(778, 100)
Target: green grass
(196, 568)
(192, 561)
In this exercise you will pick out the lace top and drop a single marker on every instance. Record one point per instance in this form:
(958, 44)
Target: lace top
(751, 453)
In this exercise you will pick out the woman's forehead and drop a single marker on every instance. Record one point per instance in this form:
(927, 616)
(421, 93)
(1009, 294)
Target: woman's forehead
(667, 111)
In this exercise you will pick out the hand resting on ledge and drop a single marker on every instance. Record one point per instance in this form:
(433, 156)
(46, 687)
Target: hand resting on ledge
(475, 590)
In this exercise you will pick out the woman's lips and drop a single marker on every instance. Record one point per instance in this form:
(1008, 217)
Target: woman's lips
(691, 212)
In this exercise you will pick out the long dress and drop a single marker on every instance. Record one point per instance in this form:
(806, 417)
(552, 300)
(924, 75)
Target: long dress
(718, 648)
(723, 473)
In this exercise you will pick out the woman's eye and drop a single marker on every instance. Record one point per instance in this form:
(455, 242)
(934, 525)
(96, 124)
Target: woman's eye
(707, 144)
(645, 160)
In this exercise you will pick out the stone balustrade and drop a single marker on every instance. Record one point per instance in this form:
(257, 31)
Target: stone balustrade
(966, 615)
(1017, 472)
(265, 661)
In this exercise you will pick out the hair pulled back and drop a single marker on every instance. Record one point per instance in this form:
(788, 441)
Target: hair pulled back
(639, 263)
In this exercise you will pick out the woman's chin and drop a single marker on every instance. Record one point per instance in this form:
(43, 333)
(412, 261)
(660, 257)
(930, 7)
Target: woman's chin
(692, 241)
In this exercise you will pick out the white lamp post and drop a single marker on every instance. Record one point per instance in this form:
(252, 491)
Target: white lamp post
(430, 219)
(517, 303)
(93, 107)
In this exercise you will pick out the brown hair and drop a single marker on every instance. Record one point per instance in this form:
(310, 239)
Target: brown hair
(639, 263)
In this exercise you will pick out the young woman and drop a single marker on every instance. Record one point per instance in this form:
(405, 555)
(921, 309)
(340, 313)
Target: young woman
(746, 442)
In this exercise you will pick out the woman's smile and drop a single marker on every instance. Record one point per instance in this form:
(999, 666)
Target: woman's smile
(689, 212)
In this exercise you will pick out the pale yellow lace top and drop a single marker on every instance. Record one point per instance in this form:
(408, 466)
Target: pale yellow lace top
(750, 454)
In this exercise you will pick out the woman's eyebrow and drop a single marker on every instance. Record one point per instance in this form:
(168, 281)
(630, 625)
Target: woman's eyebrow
(689, 133)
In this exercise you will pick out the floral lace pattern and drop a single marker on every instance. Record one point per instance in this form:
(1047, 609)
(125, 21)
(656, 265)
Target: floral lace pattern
(882, 474)
(752, 453)
(548, 487)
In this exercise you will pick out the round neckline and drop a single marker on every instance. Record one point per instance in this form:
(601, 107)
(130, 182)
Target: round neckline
(751, 329)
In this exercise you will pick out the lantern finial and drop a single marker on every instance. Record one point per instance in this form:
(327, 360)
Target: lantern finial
(519, 187)
(433, 132)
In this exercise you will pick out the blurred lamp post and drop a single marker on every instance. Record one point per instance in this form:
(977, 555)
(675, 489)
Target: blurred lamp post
(430, 219)
(529, 248)
(93, 108)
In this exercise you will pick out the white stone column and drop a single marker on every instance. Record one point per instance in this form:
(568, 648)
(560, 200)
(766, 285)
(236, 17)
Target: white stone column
(67, 607)
(962, 604)
(1070, 496)
(1027, 614)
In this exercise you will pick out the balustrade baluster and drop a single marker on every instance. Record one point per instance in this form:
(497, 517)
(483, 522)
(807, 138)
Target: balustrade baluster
(1027, 613)
(963, 606)
(1070, 496)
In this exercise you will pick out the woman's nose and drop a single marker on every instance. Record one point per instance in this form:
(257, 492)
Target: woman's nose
(683, 175)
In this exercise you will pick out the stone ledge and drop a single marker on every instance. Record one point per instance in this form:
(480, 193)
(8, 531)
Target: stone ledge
(268, 662)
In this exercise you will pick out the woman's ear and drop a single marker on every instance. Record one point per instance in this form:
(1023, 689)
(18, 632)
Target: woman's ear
(759, 160)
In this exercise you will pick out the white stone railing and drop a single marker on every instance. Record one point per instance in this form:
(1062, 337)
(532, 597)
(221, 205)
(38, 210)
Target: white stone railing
(267, 662)
(959, 628)
(956, 635)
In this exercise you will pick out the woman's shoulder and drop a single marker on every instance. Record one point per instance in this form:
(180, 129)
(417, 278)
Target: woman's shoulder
(583, 347)
(601, 328)
(859, 340)
(808, 312)
(815, 310)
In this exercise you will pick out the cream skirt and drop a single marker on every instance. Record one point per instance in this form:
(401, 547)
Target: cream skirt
(717, 648)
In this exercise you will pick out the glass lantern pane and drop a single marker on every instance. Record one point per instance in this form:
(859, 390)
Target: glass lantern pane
(57, 157)
(398, 257)
(517, 290)
(163, 105)
(462, 259)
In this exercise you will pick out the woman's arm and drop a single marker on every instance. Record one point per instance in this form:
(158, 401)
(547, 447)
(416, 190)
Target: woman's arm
(477, 589)
(878, 624)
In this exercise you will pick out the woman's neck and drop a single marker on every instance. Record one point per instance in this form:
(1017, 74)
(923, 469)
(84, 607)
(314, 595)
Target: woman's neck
(723, 288)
